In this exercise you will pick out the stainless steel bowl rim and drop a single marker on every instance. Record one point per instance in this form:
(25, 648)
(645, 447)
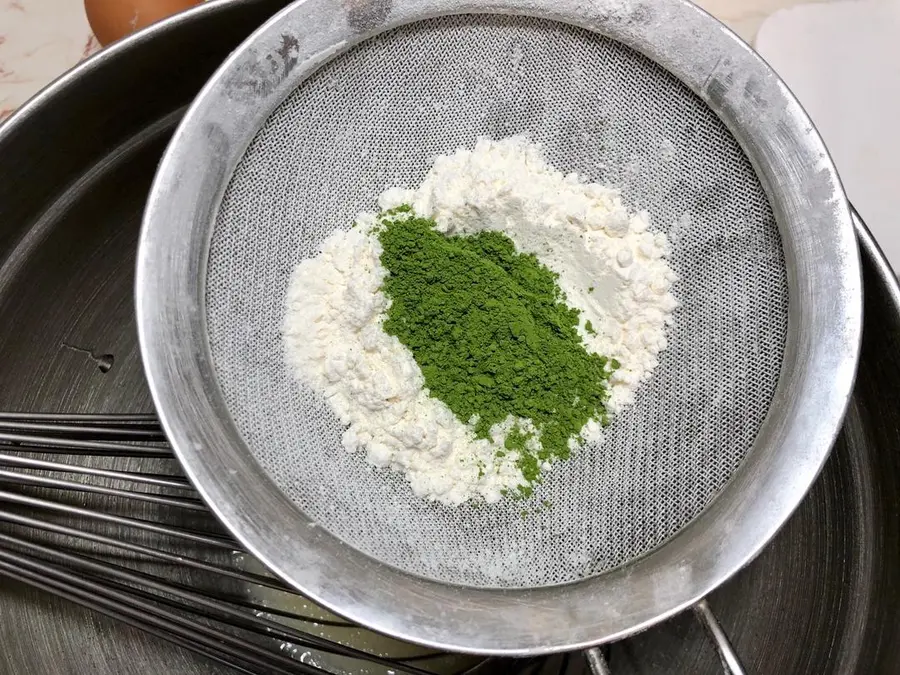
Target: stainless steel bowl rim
(818, 372)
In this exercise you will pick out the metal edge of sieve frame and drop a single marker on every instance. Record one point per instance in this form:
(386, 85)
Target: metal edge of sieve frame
(817, 375)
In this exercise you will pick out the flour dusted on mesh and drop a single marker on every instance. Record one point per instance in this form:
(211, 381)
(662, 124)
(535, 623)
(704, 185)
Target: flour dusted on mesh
(610, 266)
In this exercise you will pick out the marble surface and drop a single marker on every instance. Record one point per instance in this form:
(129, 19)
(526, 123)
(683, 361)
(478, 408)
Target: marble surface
(41, 39)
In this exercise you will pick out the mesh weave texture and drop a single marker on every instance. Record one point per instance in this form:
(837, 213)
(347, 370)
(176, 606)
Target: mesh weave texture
(372, 119)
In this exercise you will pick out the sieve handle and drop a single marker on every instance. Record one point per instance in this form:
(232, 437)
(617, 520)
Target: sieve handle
(731, 664)
(729, 658)
(596, 661)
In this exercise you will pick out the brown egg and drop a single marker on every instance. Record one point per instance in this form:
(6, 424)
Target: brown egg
(114, 19)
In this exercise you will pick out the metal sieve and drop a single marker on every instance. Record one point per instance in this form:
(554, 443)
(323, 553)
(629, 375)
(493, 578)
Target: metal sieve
(331, 102)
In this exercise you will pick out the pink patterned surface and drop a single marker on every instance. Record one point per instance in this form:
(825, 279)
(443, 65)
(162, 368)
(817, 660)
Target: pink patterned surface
(39, 40)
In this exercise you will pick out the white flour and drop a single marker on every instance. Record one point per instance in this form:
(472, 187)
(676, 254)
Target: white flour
(335, 343)
(611, 267)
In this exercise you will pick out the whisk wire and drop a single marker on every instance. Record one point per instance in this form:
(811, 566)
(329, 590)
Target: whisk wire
(205, 618)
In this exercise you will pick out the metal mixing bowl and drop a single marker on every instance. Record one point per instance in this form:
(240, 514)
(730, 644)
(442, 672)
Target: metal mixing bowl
(77, 162)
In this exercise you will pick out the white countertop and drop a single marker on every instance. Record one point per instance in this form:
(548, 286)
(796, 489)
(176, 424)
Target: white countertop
(40, 39)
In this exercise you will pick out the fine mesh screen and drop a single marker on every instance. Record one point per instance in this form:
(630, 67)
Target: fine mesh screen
(371, 119)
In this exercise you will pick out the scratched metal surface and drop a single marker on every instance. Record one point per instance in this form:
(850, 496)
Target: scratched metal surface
(823, 598)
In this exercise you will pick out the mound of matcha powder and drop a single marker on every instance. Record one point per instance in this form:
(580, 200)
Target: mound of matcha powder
(492, 334)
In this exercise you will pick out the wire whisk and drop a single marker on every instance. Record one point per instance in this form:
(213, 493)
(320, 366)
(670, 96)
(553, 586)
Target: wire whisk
(94, 509)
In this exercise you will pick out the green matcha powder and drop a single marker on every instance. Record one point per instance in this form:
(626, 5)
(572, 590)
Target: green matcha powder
(492, 334)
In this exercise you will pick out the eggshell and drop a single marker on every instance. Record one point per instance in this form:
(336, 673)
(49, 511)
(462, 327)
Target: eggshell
(112, 20)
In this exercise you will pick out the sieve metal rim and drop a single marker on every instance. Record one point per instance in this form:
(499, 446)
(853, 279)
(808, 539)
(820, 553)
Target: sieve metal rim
(819, 363)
